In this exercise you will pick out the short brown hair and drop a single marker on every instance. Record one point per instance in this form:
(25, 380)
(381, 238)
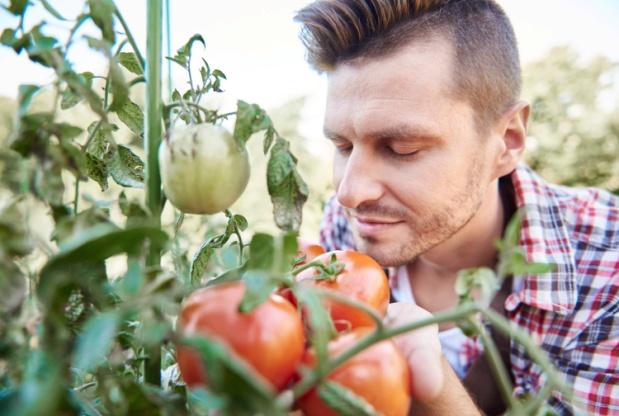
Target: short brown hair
(486, 53)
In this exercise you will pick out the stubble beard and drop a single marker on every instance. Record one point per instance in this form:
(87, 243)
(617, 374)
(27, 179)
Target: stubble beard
(424, 233)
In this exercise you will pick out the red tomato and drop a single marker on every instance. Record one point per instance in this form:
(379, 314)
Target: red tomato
(379, 374)
(362, 279)
(309, 249)
(269, 339)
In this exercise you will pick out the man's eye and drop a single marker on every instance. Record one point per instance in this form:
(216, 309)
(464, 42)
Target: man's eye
(402, 153)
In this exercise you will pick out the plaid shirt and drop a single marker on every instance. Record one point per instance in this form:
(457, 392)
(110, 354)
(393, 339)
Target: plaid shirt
(572, 312)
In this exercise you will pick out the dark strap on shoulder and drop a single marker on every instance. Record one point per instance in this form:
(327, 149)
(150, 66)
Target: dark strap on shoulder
(479, 381)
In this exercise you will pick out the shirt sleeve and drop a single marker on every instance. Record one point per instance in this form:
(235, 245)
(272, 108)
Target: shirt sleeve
(335, 232)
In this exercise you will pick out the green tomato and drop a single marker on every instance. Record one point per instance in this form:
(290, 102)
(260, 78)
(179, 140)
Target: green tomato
(203, 170)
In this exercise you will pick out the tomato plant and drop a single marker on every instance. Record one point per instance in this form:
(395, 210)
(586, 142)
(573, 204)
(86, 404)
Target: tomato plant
(77, 338)
(269, 338)
(361, 279)
(203, 169)
(379, 375)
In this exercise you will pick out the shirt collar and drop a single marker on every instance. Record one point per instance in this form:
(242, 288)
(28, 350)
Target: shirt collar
(544, 239)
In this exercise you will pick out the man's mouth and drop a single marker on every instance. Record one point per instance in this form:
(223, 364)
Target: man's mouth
(371, 226)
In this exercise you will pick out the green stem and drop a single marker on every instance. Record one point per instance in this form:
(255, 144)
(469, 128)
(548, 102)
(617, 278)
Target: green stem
(152, 139)
(130, 37)
(168, 46)
(496, 365)
(77, 195)
(316, 376)
(356, 304)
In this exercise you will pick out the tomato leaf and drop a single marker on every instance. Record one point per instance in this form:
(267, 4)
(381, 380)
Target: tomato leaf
(95, 340)
(258, 286)
(130, 62)
(132, 116)
(53, 11)
(127, 168)
(320, 323)
(344, 401)
(100, 242)
(18, 7)
(102, 13)
(250, 118)
(287, 189)
(120, 91)
(201, 259)
(242, 392)
(202, 402)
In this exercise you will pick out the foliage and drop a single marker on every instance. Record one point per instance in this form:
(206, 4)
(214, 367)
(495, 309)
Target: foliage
(575, 119)
(81, 336)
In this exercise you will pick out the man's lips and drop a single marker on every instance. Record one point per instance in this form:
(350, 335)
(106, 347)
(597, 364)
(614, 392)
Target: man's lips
(369, 226)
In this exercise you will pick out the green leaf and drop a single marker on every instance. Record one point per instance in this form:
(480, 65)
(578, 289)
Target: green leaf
(241, 391)
(269, 136)
(18, 7)
(26, 93)
(481, 278)
(258, 286)
(102, 13)
(200, 260)
(53, 11)
(130, 62)
(132, 281)
(134, 211)
(320, 323)
(241, 222)
(101, 242)
(95, 340)
(183, 54)
(100, 152)
(344, 401)
(232, 275)
(250, 118)
(261, 252)
(132, 116)
(120, 90)
(287, 189)
(127, 168)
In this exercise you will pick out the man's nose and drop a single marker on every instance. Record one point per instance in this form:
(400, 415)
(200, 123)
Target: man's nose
(357, 179)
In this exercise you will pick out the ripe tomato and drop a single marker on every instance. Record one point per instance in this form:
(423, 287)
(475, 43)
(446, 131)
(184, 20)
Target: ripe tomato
(379, 374)
(203, 170)
(269, 339)
(308, 249)
(362, 279)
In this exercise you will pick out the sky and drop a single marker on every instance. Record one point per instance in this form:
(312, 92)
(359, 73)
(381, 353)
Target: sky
(256, 43)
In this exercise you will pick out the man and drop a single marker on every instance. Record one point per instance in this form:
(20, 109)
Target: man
(424, 112)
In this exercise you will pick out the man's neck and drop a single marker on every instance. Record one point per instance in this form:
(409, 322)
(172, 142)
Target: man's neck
(433, 274)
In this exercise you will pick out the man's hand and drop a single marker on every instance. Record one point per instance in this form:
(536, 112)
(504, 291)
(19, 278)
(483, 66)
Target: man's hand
(422, 350)
(436, 389)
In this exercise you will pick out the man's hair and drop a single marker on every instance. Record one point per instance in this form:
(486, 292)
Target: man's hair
(486, 68)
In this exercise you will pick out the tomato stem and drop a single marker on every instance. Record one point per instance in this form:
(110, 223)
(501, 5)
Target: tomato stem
(496, 364)
(317, 375)
(355, 303)
(152, 140)
(130, 37)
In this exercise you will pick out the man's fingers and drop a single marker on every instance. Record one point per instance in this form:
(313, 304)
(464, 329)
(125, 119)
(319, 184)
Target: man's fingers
(422, 349)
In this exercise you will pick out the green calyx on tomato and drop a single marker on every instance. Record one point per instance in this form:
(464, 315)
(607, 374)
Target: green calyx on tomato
(203, 169)
(269, 339)
(361, 279)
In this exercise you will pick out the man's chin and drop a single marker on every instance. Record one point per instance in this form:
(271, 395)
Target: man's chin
(387, 255)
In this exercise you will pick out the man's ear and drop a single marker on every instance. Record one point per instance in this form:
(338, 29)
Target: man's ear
(512, 132)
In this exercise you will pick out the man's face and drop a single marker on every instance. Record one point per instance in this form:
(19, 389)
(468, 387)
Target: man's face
(410, 167)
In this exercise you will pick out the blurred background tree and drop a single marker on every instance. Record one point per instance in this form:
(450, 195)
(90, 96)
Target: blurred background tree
(574, 129)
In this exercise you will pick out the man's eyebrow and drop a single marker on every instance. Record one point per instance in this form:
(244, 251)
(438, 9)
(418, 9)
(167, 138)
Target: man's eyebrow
(397, 132)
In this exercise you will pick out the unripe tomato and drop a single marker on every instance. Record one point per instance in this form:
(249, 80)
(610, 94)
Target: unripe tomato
(269, 339)
(203, 170)
(379, 374)
(362, 279)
